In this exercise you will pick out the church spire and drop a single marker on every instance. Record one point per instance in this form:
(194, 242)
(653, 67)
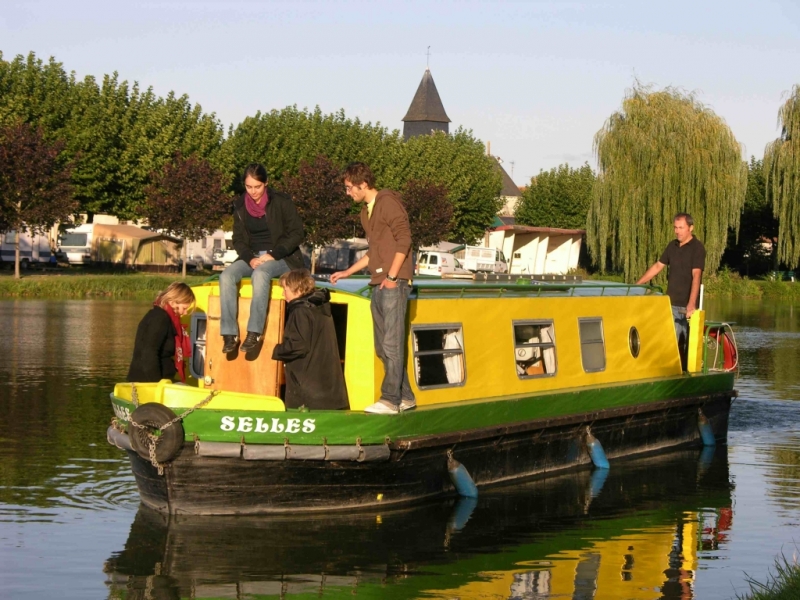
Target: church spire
(426, 113)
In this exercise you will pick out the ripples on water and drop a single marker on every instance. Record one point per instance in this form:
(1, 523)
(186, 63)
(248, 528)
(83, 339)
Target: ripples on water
(680, 526)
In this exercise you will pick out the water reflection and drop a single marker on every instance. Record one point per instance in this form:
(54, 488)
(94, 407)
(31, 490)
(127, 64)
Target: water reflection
(636, 533)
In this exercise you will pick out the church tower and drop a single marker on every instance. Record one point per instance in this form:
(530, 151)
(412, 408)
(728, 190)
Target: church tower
(426, 113)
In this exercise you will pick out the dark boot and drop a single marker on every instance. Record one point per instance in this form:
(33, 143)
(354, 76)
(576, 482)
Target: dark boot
(229, 343)
(250, 342)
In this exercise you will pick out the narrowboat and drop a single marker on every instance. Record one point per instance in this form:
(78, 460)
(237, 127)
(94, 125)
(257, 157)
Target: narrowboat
(514, 376)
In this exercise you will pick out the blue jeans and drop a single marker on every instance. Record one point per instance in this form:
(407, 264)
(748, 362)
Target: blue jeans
(681, 331)
(388, 308)
(261, 278)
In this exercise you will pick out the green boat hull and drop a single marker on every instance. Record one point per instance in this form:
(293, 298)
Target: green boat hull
(354, 460)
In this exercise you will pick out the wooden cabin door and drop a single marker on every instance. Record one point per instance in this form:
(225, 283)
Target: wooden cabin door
(253, 373)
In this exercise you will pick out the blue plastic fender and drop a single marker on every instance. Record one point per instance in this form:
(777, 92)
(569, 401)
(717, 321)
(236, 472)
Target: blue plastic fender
(705, 429)
(461, 479)
(596, 451)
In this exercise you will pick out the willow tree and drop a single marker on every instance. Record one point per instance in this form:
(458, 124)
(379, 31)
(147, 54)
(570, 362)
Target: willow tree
(782, 178)
(662, 154)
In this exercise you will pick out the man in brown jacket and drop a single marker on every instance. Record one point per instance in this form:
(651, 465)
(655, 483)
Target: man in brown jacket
(389, 260)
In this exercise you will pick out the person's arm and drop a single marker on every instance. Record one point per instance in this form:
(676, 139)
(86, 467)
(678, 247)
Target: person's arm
(654, 270)
(694, 294)
(240, 239)
(151, 336)
(296, 337)
(293, 234)
(398, 261)
(361, 263)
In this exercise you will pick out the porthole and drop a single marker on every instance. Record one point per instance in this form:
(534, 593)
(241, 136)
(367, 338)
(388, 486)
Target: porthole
(633, 342)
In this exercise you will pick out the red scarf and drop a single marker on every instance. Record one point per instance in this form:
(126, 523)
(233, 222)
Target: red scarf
(183, 346)
(256, 209)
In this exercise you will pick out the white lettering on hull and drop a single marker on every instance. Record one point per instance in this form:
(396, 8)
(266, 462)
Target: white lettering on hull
(261, 425)
(122, 412)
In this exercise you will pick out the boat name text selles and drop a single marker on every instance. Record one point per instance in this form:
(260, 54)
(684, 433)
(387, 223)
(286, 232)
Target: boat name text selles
(260, 425)
(122, 412)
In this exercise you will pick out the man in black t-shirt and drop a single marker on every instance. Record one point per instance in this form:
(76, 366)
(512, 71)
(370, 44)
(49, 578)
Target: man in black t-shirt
(686, 257)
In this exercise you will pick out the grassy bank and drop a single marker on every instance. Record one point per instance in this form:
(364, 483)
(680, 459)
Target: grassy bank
(783, 585)
(134, 286)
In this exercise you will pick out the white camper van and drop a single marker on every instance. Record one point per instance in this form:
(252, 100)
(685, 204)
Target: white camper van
(33, 248)
(75, 244)
(479, 259)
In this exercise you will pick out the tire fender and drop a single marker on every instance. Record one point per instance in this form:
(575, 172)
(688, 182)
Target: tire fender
(153, 416)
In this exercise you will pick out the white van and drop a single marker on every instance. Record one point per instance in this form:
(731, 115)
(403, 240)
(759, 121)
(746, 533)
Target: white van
(75, 244)
(33, 249)
(437, 263)
(482, 260)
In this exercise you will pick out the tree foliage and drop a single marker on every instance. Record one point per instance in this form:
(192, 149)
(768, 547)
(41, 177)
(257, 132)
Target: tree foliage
(751, 253)
(187, 198)
(663, 153)
(782, 178)
(283, 139)
(559, 198)
(318, 192)
(116, 135)
(35, 191)
(459, 163)
(430, 213)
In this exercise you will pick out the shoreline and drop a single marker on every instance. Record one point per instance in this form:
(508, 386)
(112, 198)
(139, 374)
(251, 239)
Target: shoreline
(68, 284)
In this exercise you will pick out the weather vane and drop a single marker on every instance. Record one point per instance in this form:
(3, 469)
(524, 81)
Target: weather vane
(428, 54)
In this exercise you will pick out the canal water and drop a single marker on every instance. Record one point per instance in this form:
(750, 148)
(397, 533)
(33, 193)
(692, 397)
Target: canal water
(689, 524)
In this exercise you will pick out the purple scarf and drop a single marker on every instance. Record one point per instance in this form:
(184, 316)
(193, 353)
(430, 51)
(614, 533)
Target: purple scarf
(256, 210)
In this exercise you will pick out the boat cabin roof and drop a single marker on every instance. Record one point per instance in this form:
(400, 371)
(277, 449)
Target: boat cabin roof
(483, 286)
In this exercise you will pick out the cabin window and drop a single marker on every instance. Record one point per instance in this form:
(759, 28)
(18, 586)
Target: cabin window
(593, 350)
(634, 342)
(439, 355)
(198, 338)
(534, 349)
(433, 259)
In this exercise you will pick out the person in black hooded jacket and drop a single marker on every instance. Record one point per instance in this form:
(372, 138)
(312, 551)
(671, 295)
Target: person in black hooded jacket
(309, 349)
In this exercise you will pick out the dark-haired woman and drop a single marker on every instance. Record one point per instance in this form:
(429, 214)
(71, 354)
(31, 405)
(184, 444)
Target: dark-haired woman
(267, 233)
(162, 344)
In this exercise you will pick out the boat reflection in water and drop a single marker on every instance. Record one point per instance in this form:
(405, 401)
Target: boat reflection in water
(632, 532)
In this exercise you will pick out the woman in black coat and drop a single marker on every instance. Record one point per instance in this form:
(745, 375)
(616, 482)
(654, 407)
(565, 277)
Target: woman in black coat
(314, 375)
(162, 343)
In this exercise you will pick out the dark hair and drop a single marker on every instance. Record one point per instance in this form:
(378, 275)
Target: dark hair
(358, 173)
(686, 217)
(257, 171)
(299, 281)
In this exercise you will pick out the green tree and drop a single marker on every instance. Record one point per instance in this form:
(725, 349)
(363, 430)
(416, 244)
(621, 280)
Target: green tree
(282, 139)
(782, 179)
(459, 163)
(35, 92)
(663, 153)
(559, 197)
(35, 191)
(748, 254)
(430, 213)
(318, 192)
(187, 198)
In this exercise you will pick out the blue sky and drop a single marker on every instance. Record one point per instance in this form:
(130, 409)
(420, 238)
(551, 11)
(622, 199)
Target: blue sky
(536, 79)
